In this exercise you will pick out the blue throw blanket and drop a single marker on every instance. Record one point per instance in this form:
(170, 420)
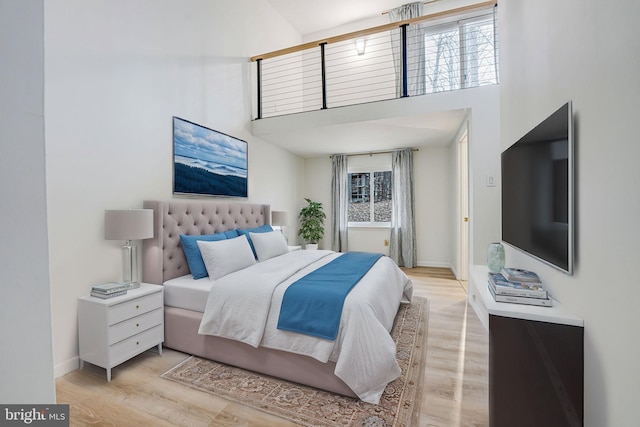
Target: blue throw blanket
(313, 304)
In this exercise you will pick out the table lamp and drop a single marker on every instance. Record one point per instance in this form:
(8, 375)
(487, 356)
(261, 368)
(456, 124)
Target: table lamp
(280, 219)
(129, 225)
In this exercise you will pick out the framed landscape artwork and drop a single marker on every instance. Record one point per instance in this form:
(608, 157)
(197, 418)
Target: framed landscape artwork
(207, 162)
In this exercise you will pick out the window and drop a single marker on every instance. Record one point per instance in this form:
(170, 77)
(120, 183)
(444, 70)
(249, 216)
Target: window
(442, 59)
(479, 44)
(370, 198)
(461, 54)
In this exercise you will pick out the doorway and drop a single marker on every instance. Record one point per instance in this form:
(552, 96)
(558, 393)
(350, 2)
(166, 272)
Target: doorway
(463, 207)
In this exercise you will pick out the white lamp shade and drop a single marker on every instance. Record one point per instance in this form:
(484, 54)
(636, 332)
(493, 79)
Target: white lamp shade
(279, 218)
(128, 224)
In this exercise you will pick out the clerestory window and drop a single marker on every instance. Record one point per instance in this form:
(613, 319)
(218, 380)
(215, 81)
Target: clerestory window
(461, 54)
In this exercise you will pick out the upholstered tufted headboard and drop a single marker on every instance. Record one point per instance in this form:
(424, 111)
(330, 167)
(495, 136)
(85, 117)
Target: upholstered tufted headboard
(162, 256)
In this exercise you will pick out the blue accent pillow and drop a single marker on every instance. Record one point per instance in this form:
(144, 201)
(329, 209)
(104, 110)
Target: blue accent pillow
(245, 232)
(232, 234)
(193, 255)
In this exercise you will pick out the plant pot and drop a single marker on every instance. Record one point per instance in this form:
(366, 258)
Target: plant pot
(311, 246)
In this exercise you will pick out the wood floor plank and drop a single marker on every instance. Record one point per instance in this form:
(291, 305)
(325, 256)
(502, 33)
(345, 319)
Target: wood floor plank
(455, 379)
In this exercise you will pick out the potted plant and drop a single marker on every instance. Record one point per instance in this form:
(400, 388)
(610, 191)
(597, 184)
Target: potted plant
(311, 223)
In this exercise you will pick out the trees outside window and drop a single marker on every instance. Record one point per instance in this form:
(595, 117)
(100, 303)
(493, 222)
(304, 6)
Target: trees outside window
(370, 197)
(461, 54)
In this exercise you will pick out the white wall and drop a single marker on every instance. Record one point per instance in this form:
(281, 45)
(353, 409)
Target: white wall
(116, 71)
(25, 298)
(432, 176)
(587, 52)
(316, 184)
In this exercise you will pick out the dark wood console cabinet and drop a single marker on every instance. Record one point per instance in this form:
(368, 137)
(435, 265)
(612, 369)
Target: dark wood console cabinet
(536, 372)
(536, 360)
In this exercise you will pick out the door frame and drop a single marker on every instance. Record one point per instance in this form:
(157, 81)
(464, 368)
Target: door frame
(463, 205)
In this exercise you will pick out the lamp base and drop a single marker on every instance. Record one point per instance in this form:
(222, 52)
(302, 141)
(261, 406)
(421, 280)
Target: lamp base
(130, 272)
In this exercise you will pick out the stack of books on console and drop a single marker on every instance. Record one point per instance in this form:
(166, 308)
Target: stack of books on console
(108, 290)
(518, 286)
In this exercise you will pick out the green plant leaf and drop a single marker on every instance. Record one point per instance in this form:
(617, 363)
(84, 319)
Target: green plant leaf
(311, 219)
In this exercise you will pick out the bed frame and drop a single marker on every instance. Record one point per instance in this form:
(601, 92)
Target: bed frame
(163, 259)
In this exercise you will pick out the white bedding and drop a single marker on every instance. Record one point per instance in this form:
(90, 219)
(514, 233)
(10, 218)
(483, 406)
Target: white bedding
(245, 306)
(187, 293)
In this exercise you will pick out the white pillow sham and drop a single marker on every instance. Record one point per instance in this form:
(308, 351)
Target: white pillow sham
(269, 245)
(223, 257)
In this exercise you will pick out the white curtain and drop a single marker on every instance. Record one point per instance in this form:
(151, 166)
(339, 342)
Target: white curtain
(415, 49)
(339, 202)
(402, 245)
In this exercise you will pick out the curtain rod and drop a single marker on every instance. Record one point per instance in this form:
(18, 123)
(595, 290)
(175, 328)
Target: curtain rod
(370, 153)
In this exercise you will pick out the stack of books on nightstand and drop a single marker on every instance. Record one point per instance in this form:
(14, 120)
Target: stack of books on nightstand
(518, 286)
(108, 290)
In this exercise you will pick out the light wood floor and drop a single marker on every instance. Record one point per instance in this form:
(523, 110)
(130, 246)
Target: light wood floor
(455, 391)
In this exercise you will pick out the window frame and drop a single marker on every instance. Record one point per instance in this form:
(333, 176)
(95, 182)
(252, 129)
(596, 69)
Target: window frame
(464, 30)
(370, 170)
(460, 24)
(449, 26)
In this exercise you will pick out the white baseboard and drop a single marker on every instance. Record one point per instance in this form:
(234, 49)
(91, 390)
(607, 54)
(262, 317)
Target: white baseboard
(433, 264)
(455, 273)
(65, 367)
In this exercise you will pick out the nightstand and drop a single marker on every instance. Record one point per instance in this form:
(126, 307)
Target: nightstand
(294, 248)
(113, 330)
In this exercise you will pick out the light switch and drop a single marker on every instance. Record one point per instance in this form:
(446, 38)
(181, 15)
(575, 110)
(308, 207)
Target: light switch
(491, 181)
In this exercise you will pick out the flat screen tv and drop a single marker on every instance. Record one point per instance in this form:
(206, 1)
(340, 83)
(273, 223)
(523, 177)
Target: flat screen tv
(537, 191)
(207, 162)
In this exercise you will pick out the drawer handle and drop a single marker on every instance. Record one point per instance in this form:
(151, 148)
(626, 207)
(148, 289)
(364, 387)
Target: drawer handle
(137, 342)
(137, 306)
(137, 325)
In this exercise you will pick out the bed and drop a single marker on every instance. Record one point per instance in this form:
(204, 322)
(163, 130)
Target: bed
(317, 362)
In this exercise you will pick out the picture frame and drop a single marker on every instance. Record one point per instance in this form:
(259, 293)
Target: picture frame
(208, 162)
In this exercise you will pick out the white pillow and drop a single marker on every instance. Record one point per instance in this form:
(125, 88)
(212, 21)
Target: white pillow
(269, 245)
(222, 257)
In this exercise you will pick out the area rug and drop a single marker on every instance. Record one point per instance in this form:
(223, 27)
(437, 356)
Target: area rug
(307, 406)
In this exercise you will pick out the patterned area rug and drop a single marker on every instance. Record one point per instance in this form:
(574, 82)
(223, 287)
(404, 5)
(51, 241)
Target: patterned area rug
(399, 405)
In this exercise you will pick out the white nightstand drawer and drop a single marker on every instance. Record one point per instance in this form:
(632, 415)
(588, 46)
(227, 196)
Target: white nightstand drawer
(135, 325)
(133, 307)
(130, 347)
(113, 330)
